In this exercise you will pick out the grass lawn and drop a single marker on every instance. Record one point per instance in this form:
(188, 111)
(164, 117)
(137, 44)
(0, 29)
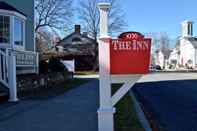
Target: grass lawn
(51, 90)
(86, 73)
(125, 117)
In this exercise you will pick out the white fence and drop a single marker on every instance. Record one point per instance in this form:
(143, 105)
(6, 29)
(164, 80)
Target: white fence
(27, 62)
(26, 58)
(69, 64)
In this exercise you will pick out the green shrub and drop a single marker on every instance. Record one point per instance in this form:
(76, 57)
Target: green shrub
(43, 67)
(55, 65)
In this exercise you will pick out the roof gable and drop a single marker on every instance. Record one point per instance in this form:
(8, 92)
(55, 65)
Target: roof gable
(73, 36)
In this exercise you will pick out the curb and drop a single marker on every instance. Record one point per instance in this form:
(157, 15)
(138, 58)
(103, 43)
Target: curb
(175, 71)
(140, 113)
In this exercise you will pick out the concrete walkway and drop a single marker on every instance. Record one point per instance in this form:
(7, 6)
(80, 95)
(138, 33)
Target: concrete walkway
(73, 111)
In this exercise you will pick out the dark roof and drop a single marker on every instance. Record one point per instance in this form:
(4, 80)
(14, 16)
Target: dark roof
(193, 41)
(192, 38)
(194, 44)
(5, 6)
(82, 35)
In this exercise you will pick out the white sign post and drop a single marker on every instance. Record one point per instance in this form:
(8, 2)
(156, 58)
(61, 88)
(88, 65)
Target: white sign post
(107, 101)
(106, 110)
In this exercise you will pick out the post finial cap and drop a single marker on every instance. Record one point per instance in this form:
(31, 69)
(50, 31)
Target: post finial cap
(104, 5)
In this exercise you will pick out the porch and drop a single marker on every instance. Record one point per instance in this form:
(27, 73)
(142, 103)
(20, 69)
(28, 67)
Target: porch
(14, 43)
(14, 62)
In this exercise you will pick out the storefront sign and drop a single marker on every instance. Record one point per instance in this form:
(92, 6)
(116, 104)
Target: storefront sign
(130, 54)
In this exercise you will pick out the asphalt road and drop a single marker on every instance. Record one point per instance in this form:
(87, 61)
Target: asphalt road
(171, 98)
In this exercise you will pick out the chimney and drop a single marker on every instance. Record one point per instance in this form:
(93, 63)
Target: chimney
(77, 29)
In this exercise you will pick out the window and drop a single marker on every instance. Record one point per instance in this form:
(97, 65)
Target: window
(188, 29)
(18, 32)
(4, 29)
(76, 39)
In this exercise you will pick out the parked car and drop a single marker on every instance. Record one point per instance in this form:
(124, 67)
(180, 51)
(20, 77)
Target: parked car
(155, 67)
(152, 68)
(158, 67)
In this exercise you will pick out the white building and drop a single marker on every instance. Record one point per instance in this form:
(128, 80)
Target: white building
(159, 58)
(173, 58)
(188, 46)
(162, 57)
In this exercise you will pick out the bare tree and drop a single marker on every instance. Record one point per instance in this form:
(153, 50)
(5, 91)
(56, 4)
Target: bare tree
(53, 13)
(160, 40)
(117, 22)
(43, 40)
(164, 41)
(46, 40)
(89, 16)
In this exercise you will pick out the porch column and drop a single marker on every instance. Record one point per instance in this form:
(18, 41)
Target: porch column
(106, 110)
(12, 76)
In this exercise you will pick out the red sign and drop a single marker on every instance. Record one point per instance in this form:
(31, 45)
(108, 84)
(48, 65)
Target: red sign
(130, 54)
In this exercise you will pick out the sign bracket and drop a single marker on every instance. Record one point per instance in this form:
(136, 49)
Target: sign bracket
(124, 89)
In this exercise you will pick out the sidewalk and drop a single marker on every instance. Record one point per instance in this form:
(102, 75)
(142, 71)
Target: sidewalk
(73, 111)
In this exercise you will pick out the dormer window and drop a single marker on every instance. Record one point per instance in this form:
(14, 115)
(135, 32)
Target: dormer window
(76, 39)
